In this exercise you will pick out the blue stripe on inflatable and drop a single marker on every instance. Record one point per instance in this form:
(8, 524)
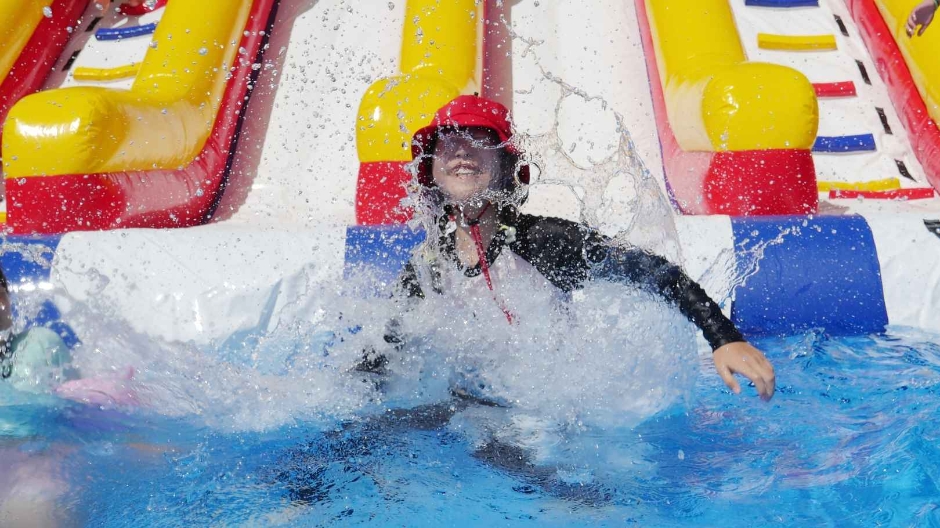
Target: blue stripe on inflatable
(859, 143)
(125, 32)
(781, 3)
(804, 273)
(381, 251)
(27, 260)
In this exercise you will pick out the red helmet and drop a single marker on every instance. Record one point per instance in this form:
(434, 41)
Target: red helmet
(465, 111)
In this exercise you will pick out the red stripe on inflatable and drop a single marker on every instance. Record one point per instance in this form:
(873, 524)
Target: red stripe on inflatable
(379, 192)
(141, 9)
(156, 198)
(835, 89)
(746, 183)
(40, 54)
(921, 193)
(921, 129)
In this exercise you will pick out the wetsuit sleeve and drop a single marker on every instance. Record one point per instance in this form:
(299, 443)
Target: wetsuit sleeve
(568, 253)
(658, 275)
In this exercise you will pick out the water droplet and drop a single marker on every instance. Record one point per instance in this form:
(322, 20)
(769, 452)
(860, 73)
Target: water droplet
(391, 6)
(47, 12)
(203, 51)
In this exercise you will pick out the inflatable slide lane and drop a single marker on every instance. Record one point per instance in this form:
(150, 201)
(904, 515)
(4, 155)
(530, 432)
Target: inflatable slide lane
(736, 134)
(82, 155)
(818, 108)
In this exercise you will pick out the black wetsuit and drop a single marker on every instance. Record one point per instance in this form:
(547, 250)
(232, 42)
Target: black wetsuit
(568, 254)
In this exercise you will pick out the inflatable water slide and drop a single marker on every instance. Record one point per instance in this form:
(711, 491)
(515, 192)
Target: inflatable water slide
(192, 168)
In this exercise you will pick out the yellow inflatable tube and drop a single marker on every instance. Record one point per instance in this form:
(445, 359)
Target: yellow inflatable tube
(162, 122)
(439, 61)
(920, 52)
(18, 20)
(715, 99)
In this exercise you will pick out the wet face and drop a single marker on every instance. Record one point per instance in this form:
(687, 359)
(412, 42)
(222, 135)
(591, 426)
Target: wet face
(466, 162)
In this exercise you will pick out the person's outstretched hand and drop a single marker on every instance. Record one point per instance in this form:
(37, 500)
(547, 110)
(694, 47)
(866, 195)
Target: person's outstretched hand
(742, 358)
(922, 15)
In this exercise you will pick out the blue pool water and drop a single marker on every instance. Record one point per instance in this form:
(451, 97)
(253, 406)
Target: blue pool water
(850, 439)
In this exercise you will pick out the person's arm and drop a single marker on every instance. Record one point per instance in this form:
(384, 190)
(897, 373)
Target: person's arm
(922, 15)
(408, 287)
(568, 254)
(731, 353)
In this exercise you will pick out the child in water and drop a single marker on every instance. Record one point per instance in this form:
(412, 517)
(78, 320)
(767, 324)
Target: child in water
(473, 176)
(38, 360)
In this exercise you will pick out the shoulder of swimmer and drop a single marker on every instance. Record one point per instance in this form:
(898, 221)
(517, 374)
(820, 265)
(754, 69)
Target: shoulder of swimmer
(561, 250)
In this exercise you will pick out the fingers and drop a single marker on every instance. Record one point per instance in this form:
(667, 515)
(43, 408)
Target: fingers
(909, 27)
(766, 386)
(742, 358)
(761, 373)
(728, 378)
(758, 370)
(772, 381)
(923, 27)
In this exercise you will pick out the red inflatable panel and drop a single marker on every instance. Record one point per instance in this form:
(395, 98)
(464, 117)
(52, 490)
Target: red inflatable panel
(157, 198)
(141, 9)
(760, 182)
(921, 129)
(379, 192)
(40, 54)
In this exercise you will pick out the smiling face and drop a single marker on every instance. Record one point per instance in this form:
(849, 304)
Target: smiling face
(466, 162)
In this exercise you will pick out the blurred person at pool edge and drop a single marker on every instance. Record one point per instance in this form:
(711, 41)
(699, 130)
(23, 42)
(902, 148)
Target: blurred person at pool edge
(922, 15)
(473, 177)
(34, 360)
(37, 360)
(6, 330)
